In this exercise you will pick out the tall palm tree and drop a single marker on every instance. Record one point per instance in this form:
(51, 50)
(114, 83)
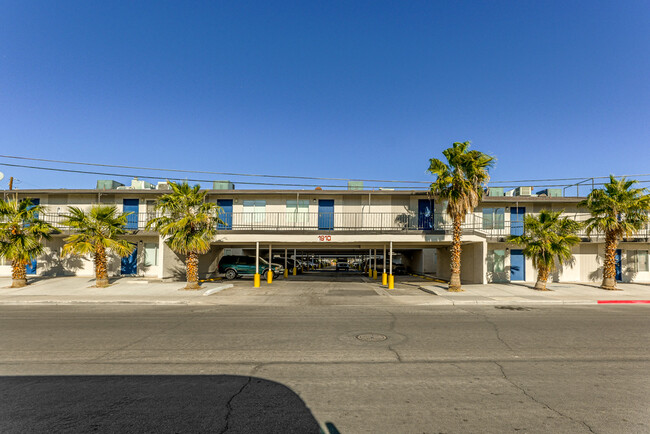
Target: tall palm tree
(21, 234)
(547, 240)
(97, 231)
(618, 210)
(460, 182)
(189, 224)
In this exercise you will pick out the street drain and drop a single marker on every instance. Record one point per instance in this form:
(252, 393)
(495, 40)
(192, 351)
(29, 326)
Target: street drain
(512, 307)
(371, 337)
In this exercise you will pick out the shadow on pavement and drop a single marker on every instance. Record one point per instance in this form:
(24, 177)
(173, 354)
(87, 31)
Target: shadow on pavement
(156, 404)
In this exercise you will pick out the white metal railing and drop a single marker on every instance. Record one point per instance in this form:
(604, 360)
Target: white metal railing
(351, 222)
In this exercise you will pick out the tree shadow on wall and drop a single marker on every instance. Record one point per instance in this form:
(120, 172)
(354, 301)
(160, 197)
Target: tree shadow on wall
(155, 403)
(55, 266)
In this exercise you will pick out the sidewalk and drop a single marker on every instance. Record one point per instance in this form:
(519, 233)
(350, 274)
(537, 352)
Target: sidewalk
(522, 293)
(408, 291)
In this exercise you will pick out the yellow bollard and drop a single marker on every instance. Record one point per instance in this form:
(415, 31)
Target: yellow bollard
(384, 279)
(286, 273)
(295, 271)
(269, 276)
(374, 274)
(256, 280)
(370, 272)
(391, 282)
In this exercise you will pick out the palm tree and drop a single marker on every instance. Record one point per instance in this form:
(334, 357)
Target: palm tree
(189, 224)
(97, 231)
(21, 234)
(547, 240)
(617, 211)
(460, 182)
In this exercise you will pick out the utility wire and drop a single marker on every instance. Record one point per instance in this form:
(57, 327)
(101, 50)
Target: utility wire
(129, 175)
(295, 177)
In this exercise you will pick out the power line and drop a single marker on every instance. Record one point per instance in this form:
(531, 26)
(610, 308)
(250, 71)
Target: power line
(211, 173)
(130, 175)
(291, 176)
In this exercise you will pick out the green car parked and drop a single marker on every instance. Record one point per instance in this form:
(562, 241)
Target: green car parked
(233, 266)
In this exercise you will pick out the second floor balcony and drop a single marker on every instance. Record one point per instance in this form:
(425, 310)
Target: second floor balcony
(376, 222)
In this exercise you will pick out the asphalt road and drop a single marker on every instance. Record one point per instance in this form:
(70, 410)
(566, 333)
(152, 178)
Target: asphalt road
(286, 369)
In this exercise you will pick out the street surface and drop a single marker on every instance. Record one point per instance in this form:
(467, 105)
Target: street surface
(355, 369)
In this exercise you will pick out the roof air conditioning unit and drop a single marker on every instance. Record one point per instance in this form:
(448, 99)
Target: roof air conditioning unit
(162, 186)
(523, 191)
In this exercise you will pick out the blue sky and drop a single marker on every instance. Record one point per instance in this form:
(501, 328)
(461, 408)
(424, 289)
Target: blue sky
(350, 89)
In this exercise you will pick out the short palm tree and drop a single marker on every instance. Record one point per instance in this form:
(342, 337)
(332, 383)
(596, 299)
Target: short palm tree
(21, 234)
(547, 240)
(618, 210)
(95, 232)
(460, 182)
(188, 223)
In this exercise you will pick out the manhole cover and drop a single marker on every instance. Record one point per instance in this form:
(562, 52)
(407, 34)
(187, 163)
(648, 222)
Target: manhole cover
(371, 337)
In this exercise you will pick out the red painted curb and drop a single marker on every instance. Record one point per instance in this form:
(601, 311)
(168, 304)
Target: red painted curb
(623, 301)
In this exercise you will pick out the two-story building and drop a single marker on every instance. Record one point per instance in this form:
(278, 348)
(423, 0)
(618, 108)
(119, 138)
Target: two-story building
(350, 221)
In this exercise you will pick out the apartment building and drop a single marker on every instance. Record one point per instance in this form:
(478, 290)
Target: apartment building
(353, 221)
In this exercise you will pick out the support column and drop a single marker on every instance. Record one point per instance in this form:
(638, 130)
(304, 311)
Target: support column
(370, 263)
(269, 272)
(384, 275)
(391, 278)
(256, 278)
(295, 263)
(286, 270)
(374, 267)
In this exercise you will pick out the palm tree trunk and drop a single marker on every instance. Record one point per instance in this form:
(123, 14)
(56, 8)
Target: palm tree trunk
(101, 268)
(192, 273)
(18, 274)
(542, 278)
(454, 281)
(609, 269)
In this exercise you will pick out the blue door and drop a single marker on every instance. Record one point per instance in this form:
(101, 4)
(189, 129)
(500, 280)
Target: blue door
(130, 263)
(325, 214)
(517, 265)
(617, 257)
(31, 267)
(517, 220)
(226, 214)
(131, 205)
(425, 214)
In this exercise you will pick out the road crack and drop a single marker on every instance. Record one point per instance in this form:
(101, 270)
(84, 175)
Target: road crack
(537, 401)
(497, 332)
(229, 405)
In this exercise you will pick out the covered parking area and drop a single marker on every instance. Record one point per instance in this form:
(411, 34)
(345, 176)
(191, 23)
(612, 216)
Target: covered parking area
(369, 256)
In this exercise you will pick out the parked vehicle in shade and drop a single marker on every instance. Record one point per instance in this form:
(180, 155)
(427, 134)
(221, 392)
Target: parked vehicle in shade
(234, 266)
(397, 268)
(342, 264)
(290, 264)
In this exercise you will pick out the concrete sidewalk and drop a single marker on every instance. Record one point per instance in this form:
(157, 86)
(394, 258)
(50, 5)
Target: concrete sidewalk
(522, 293)
(294, 292)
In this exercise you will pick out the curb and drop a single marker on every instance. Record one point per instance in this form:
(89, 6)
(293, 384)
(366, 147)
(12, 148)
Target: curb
(623, 301)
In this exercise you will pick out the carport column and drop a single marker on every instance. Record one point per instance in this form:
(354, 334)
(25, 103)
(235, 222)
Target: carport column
(391, 278)
(384, 276)
(256, 278)
(374, 267)
(269, 272)
(370, 263)
(295, 269)
(286, 270)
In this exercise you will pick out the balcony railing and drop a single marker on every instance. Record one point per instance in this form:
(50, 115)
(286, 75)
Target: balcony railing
(350, 222)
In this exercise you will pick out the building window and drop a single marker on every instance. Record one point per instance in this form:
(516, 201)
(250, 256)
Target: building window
(150, 254)
(255, 211)
(493, 218)
(498, 263)
(298, 212)
(638, 260)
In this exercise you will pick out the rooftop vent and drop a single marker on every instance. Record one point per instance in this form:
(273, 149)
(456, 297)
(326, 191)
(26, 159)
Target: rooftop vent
(108, 184)
(355, 185)
(223, 185)
(550, 192)
(137, 184)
